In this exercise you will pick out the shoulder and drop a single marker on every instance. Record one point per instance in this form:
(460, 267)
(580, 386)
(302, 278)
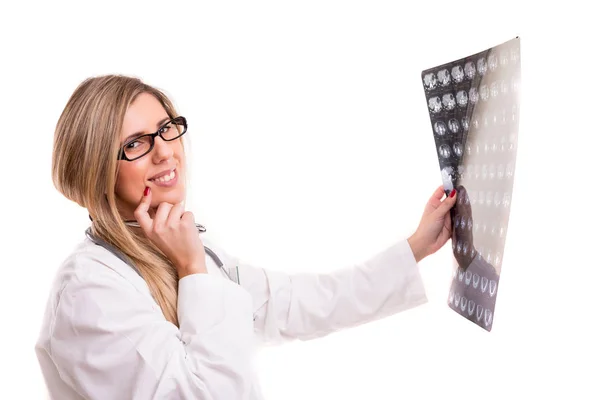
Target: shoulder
(90, 281)
(88, 263)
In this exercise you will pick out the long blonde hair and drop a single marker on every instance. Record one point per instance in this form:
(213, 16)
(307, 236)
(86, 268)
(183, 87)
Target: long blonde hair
(85, 168)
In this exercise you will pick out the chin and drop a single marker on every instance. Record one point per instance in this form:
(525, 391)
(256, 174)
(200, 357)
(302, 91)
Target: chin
(172, 197)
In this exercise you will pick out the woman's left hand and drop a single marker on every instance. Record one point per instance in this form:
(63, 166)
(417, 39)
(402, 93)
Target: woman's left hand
(435, 227)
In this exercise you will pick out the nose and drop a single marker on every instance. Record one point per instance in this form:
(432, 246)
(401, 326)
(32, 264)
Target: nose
(162, 150)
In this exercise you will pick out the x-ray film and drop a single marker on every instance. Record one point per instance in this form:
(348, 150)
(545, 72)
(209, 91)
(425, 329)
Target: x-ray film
(474, 110)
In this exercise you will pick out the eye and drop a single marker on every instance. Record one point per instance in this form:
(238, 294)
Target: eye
(164, 128)
(133, 144)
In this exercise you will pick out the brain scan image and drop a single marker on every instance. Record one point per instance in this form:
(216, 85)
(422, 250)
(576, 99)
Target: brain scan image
(474, 108)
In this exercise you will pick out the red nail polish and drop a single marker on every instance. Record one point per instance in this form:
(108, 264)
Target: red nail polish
(146, 191)
(453, 192)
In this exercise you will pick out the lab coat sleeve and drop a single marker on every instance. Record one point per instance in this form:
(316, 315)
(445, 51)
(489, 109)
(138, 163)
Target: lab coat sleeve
(310, 305)
(110, 341)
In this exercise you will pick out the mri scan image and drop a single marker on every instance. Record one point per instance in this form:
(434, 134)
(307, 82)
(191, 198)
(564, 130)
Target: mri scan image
(473, 106)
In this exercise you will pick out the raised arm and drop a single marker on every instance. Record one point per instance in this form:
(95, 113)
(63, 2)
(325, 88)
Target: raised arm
(305, 306)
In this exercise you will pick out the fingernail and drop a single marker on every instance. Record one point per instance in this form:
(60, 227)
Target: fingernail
(453, 192)
(146, 191)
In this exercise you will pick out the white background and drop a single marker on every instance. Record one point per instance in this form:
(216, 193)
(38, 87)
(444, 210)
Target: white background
(312, 150)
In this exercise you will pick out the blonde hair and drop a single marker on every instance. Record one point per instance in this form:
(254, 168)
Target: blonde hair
(85, 168)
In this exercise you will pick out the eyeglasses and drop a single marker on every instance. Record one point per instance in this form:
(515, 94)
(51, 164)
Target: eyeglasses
(142, 145)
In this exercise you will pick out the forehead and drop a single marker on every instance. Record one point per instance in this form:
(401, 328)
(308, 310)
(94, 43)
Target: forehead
(142, 115)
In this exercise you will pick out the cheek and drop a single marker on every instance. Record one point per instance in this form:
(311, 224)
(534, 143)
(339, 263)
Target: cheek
(179, 151)
(130, 182)
(180, 156)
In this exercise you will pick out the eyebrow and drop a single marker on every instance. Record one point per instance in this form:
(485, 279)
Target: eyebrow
(158, 125)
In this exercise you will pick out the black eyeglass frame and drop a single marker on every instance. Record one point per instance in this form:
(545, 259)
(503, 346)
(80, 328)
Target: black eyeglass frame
(175, 121)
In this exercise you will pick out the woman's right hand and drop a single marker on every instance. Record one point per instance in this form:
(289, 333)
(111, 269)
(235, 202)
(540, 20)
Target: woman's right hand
(435, 227)
(174, 232)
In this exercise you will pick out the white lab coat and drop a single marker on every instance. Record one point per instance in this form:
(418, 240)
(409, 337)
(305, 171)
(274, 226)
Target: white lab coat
(104, 337)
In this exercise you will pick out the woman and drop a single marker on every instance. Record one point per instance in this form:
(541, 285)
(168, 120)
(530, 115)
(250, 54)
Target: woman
(145, 307)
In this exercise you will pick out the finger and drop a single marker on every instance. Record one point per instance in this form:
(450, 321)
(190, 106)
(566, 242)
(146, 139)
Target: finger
(162, 213)
(175, 214)
(189, 222)
(187, 218)
(141, 212)
(435, 199)
(439, 193)
(448, 231)
(446, 205)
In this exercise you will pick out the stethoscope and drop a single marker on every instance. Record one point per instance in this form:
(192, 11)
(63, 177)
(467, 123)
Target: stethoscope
(233, 274)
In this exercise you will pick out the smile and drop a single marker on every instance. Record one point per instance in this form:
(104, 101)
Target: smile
(167, 180)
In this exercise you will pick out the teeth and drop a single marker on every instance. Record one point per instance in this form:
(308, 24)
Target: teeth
(166, 178)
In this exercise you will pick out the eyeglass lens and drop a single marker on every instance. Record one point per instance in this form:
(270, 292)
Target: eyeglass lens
(142, 145)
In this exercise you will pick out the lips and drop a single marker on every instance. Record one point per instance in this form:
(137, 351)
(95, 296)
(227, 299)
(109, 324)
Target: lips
(165, 175)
